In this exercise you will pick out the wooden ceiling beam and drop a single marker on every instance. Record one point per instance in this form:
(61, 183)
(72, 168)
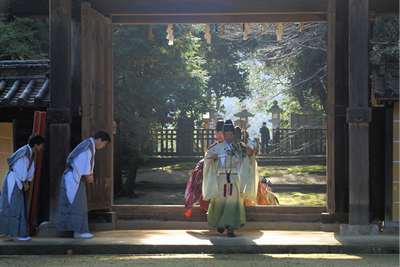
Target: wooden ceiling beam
(182, 7)
(213, 11)
(266, 18)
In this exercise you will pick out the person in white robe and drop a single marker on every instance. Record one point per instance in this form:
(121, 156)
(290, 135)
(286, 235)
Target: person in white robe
(229, 177)
(72, 206)
(13, 203)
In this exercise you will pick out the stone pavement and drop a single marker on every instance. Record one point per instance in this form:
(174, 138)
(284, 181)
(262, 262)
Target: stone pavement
(204, 241)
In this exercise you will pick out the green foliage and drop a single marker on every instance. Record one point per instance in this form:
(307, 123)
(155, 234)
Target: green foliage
(385, 37)
(152, 78)
(23, 38)
(222, 61)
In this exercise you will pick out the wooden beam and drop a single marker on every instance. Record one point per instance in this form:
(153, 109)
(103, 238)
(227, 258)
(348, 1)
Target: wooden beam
(187, 7)
(337, 73)
(60, 96)
(358, 113)
(249, 10)
(183, 19)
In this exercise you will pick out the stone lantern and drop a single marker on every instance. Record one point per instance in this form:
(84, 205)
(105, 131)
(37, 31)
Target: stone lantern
(275, 111)
(306, 109)
(243, 119)
(206, 117)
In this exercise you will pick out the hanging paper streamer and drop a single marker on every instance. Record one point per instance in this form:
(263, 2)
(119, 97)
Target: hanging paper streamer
(207, 34)
(263, 29)
(150, 32)
(170, 36)
(246, 30)
(186, 29)
(223, 29)
(302, 28)
(279, 32)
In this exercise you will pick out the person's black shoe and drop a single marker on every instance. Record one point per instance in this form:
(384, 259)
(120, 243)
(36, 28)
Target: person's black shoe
(221, 230)
(229, 233)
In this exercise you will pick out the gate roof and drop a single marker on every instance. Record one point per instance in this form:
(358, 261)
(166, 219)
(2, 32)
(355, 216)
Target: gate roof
(203, 11)
(24, 83)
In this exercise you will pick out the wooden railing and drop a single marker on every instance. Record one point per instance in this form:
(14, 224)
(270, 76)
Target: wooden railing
(171, 142)
(303, 140)
(165, 141)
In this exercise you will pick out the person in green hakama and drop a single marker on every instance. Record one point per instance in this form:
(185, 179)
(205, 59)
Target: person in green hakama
(229, 177)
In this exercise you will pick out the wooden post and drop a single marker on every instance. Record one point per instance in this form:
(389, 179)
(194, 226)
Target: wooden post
(336, 134)
(59, 116)
(358, 113)
(358, 116)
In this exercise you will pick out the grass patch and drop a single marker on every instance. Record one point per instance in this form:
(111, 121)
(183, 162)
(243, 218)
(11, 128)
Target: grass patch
(182, 166)
(297, 198)
(301, 170)
(307, 169)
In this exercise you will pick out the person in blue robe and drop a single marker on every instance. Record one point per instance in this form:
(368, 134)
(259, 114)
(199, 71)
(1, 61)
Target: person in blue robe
(13, 203)
(72, 204)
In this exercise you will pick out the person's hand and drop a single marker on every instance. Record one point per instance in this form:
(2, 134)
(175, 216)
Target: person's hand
(26, 186)
(89, 179)
(214, 156)
(249, 152)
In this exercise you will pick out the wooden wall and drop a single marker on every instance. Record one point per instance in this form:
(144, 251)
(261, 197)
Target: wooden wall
(396, 162)
(97, 99)
(6, 147)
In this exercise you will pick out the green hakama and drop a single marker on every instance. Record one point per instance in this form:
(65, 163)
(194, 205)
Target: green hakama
(228, 191)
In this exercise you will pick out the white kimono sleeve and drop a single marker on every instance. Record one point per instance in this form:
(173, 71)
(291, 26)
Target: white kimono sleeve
(249, 178)
(210, 174)
(19, 174)
(81, 166)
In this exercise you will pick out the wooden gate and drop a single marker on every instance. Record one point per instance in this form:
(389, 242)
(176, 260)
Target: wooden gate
(97, 99)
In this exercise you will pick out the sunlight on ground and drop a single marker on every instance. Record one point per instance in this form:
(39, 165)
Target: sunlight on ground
(316, 256)
(211, 256)
(297, 198)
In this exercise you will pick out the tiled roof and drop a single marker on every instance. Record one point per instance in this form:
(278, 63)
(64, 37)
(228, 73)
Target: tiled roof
(386, 78)
(24, 83)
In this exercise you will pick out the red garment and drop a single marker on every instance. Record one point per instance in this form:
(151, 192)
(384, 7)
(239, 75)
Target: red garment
(193, 190)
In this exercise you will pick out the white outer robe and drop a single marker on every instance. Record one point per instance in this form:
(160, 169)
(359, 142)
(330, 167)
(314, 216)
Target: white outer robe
(20, 173)
(81, 166)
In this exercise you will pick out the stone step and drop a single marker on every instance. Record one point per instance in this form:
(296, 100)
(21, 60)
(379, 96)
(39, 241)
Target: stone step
(253, 213)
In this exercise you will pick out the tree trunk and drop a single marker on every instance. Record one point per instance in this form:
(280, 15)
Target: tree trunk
(131, 179)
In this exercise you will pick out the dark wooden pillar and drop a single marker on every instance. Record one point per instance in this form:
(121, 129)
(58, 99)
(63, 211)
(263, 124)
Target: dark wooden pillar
(60, 90)
(76, 74)
(389, 165)
(337, 131)
(358, 113)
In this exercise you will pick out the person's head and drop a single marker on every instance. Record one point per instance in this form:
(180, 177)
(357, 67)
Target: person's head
(36, 141)
(264, 124)
(101, 139)
(219, 134)
(229, 131)
(266, 185)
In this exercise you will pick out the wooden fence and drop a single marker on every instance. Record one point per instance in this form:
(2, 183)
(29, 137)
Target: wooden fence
(171, 142)
(302, 141)
(194, 142)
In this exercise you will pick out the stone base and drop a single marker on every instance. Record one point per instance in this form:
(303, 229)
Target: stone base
(358, 230)
(47, 229)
